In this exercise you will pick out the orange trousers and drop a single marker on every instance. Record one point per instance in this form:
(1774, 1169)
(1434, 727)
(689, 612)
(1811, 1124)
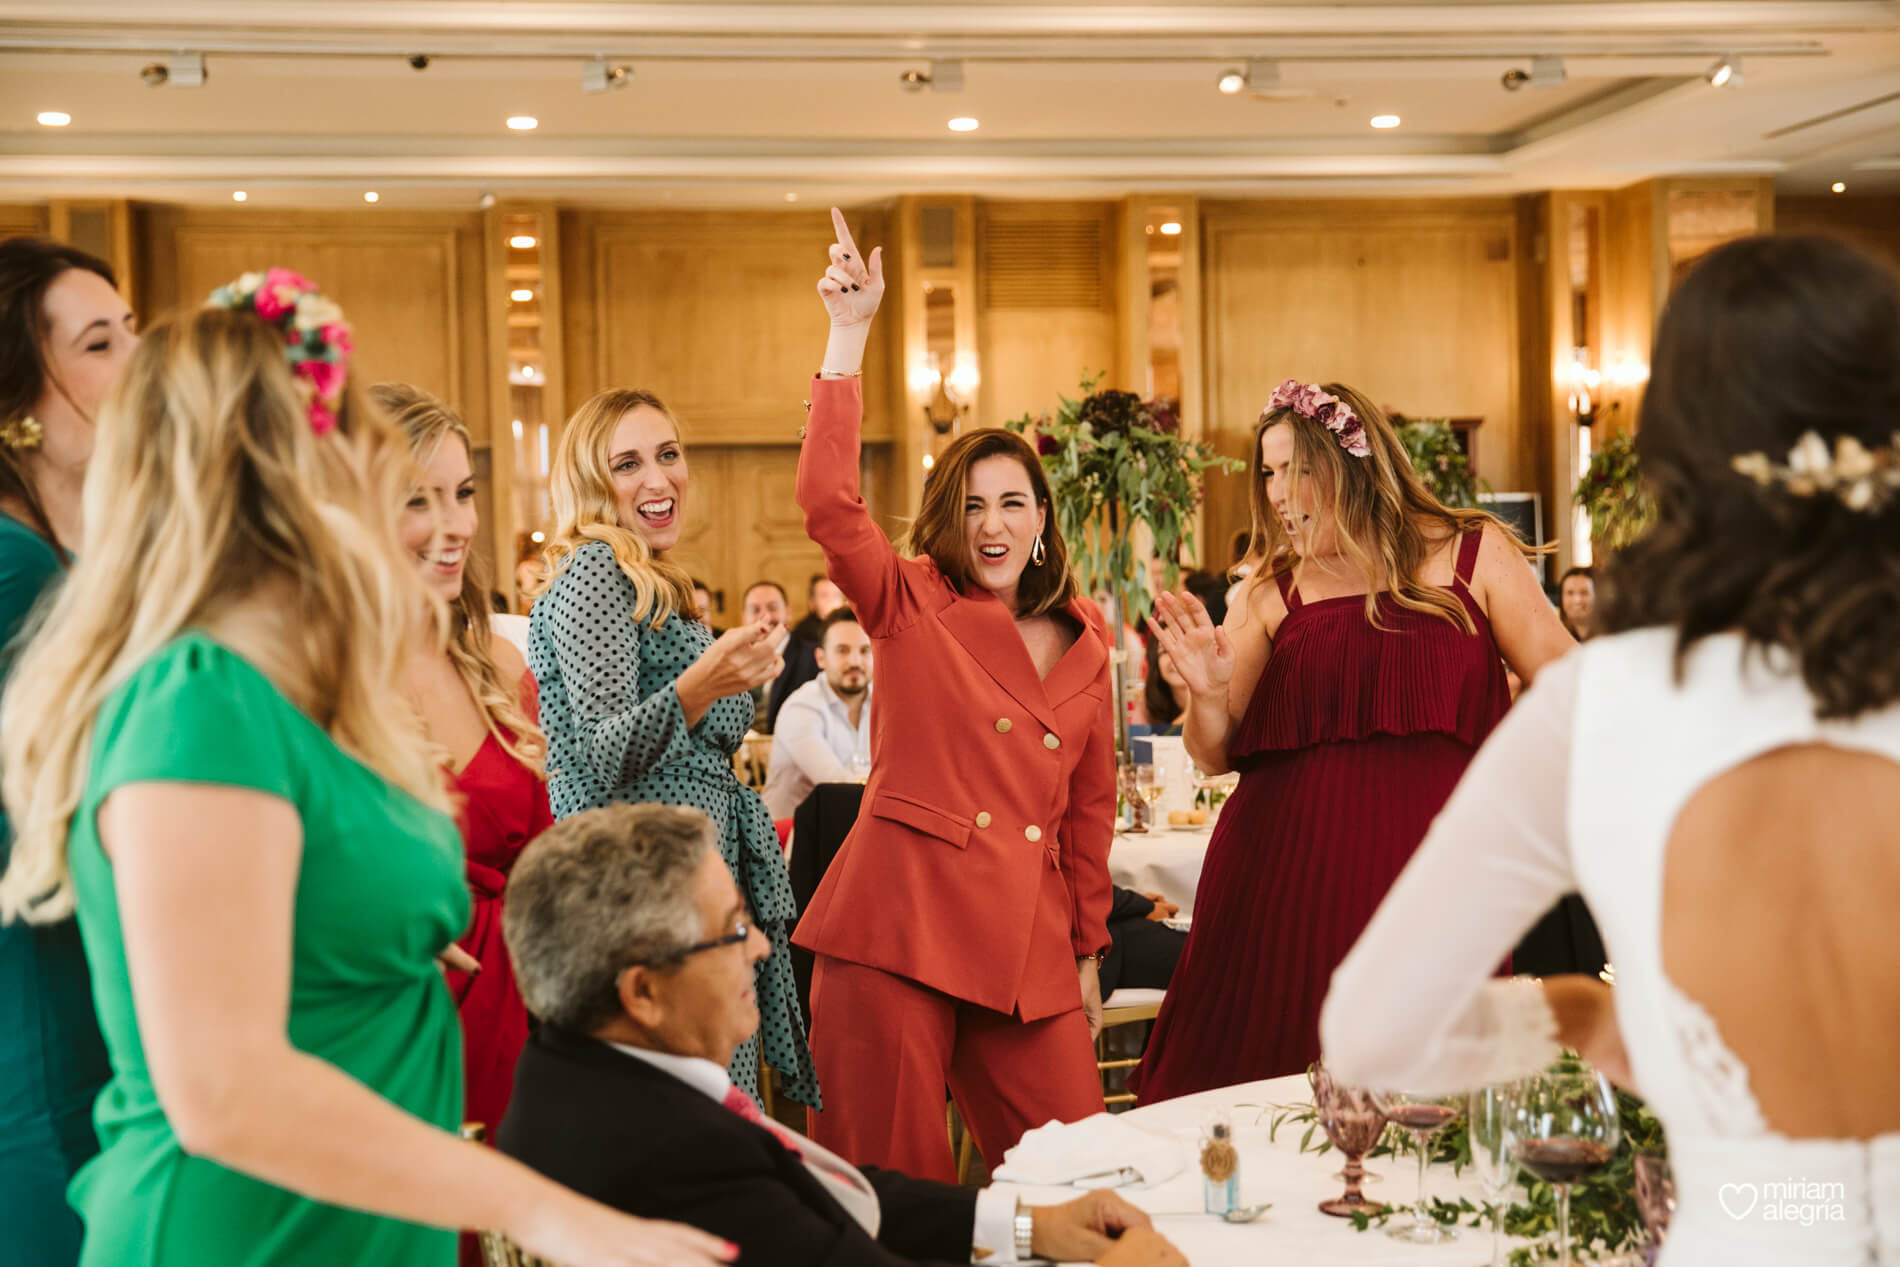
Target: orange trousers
(886, 1049)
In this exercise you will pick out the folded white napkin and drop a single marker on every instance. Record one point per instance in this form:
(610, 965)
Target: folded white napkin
(1097, 1152)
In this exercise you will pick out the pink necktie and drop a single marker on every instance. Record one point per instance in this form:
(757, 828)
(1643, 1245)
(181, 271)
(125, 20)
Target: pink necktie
(742, 1104)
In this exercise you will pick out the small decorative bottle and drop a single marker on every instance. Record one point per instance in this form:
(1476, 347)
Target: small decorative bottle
(1220, 1166)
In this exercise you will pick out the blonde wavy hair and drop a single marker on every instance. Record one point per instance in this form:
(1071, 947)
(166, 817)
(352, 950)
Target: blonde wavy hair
(581, 486)
(215, 506)
(428, 423)
(1388, 523)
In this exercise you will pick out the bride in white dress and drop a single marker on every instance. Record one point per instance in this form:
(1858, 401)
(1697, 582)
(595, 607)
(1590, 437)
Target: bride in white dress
(1721, 782)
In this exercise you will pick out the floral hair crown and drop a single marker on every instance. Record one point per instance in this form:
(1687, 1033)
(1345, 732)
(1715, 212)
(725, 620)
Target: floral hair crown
(317, 340)
(1864, 479)
(1308, 401)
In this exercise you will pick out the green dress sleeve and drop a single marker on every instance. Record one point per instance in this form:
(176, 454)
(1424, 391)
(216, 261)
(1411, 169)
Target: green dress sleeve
(196, 713)
(28, 565)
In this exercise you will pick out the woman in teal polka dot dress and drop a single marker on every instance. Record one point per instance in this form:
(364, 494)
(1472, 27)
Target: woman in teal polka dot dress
(640, 702)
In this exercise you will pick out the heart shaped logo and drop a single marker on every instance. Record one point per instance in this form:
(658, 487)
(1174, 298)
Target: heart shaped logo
(1738, 1199)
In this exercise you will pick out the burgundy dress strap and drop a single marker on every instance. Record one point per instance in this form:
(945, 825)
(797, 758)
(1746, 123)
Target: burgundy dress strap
(1468, 555)
(1288, 594)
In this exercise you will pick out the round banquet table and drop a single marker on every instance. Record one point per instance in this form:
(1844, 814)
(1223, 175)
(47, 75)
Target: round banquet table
(1293, 1232)
(1164, 860)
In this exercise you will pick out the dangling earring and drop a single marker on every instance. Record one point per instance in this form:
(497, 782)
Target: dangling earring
(22, 433)
(1036, 553)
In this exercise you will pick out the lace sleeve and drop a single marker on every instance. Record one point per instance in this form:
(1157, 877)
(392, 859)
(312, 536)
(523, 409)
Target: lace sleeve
(1415, 1005)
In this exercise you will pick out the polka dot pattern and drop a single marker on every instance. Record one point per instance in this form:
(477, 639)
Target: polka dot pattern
(616, 734)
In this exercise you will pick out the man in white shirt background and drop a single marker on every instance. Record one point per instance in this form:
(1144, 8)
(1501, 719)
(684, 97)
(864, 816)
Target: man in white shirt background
(824, 727)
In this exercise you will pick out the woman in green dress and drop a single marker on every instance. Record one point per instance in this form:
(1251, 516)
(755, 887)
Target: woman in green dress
(639, 700)
(206, 753)
(65, 335)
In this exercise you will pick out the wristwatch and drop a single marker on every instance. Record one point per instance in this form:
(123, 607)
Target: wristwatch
(1025, 1233)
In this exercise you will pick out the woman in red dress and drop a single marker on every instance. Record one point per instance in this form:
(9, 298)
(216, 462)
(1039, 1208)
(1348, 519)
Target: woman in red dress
(1356, 673)
(476, 698)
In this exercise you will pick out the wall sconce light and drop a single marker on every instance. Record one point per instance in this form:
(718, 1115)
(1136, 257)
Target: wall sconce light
(946, 397)
(1629, 371)
(1584, 381)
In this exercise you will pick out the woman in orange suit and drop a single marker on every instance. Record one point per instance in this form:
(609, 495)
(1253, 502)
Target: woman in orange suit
(958, 932)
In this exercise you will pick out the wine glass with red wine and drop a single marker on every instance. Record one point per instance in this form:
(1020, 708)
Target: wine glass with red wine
(1353, 1124)
(1564, 1127)
(1424, 1116)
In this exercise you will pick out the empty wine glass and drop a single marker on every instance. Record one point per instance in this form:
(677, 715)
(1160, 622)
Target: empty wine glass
(1488, 1115)
(1563, 1127)
(1354, 1124)
(1424, 1116)
(1655, 1198)
(860, 767)
(1135, 781)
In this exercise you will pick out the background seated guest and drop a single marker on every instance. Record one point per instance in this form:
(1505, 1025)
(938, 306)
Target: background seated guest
(822, 599)
(703, 605)
(1164, 692)
(1577, 593)
(1142, 950)
(635, 948)
(824, 731)
(765, 600)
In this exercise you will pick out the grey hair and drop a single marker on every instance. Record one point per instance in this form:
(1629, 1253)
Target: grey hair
(594, 894)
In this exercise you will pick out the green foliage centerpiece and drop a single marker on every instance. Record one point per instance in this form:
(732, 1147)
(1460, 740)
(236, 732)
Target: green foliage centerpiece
(1432, 444)
(1114, 460)
(1611, 491)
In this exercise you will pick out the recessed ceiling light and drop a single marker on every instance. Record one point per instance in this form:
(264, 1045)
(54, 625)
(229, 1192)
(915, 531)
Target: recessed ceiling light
(523, 123)
(521, 296)
(1726, 73)
(1231, 82)
(1385, 121)
(963, 123)
(527, 371)
(238, 195)
(371, 196)
(522, 241)
(791, 196)
(1840, 187)
(54, 118)
(1171, 227)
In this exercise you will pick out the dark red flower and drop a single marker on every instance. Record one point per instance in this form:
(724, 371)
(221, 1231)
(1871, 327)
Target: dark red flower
(1046, 445)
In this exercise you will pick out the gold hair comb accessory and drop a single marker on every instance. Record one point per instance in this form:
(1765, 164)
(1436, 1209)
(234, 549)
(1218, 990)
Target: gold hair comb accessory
(1864, 479)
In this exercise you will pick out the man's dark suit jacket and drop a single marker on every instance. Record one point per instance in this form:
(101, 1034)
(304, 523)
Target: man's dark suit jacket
(801, 666)
(614, 1128)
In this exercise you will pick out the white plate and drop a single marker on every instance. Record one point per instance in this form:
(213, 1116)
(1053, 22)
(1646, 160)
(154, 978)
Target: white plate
(1193, 827)
(1180, 923)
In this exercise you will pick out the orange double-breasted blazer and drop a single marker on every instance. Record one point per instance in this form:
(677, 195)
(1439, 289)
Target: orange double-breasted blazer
(979, 863)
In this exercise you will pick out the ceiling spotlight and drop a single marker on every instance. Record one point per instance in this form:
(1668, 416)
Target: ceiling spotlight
(371, 196)
(1171, 228)
(963, 123)
(238, 195)
(1548, 72)
(1385, 121)
(486, 201)
(523, 123)
(522, 295)
(1231, 82)
(53, 118)
(522, 241)
(598, 76)
(1514, 79)
(1840, 187)
(1262, 75)
(418, 61)
(940, 77)
(185, 70)
(1726, 73)
(154, 74)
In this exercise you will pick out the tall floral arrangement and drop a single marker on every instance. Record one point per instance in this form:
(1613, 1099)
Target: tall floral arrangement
(1113, 461)
(1439, 459)
(1611, 491)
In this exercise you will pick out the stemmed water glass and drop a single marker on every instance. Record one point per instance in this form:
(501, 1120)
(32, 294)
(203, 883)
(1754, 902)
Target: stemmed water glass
(1489, 1118)
(1655, 1198)
(1354, 1124)
(1424, 1116)
(1564, 1126)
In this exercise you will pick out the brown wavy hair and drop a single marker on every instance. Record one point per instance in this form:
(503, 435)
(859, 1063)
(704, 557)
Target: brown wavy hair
(1768, 338)
(28, 269)
(937, 532)
(428, 423)
(1387, 520)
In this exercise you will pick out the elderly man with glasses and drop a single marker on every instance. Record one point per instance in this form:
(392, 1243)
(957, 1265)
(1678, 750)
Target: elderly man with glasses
(634, 950)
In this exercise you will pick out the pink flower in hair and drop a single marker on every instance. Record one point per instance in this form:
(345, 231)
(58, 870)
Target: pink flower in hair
(337, 335)
(324, 377)
(322, 418)
(1309, 401)
(274, 299)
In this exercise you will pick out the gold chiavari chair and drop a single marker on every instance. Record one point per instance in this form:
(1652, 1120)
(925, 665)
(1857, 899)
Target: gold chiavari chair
(497, 1249)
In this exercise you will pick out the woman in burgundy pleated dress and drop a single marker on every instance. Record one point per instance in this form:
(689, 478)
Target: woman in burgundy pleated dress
(476, 697)
(1356, 673)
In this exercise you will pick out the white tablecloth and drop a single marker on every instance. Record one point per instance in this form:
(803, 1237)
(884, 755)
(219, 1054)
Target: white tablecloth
(1161, 861)
(1293, 1232)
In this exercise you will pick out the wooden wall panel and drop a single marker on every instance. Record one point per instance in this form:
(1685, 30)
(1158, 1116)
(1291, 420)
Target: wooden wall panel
(1873, 223)
(1029, 353)
(1413, 303)
(717, 314)
(22, 220)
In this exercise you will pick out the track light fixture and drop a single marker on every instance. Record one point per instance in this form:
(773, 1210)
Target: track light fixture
(939, 77)
(182, 70)
(1261, 75)
(1548, 72)
(598, 76)
(1726, 73)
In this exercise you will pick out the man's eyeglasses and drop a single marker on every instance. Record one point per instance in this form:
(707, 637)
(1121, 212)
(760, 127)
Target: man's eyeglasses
(741, 930)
